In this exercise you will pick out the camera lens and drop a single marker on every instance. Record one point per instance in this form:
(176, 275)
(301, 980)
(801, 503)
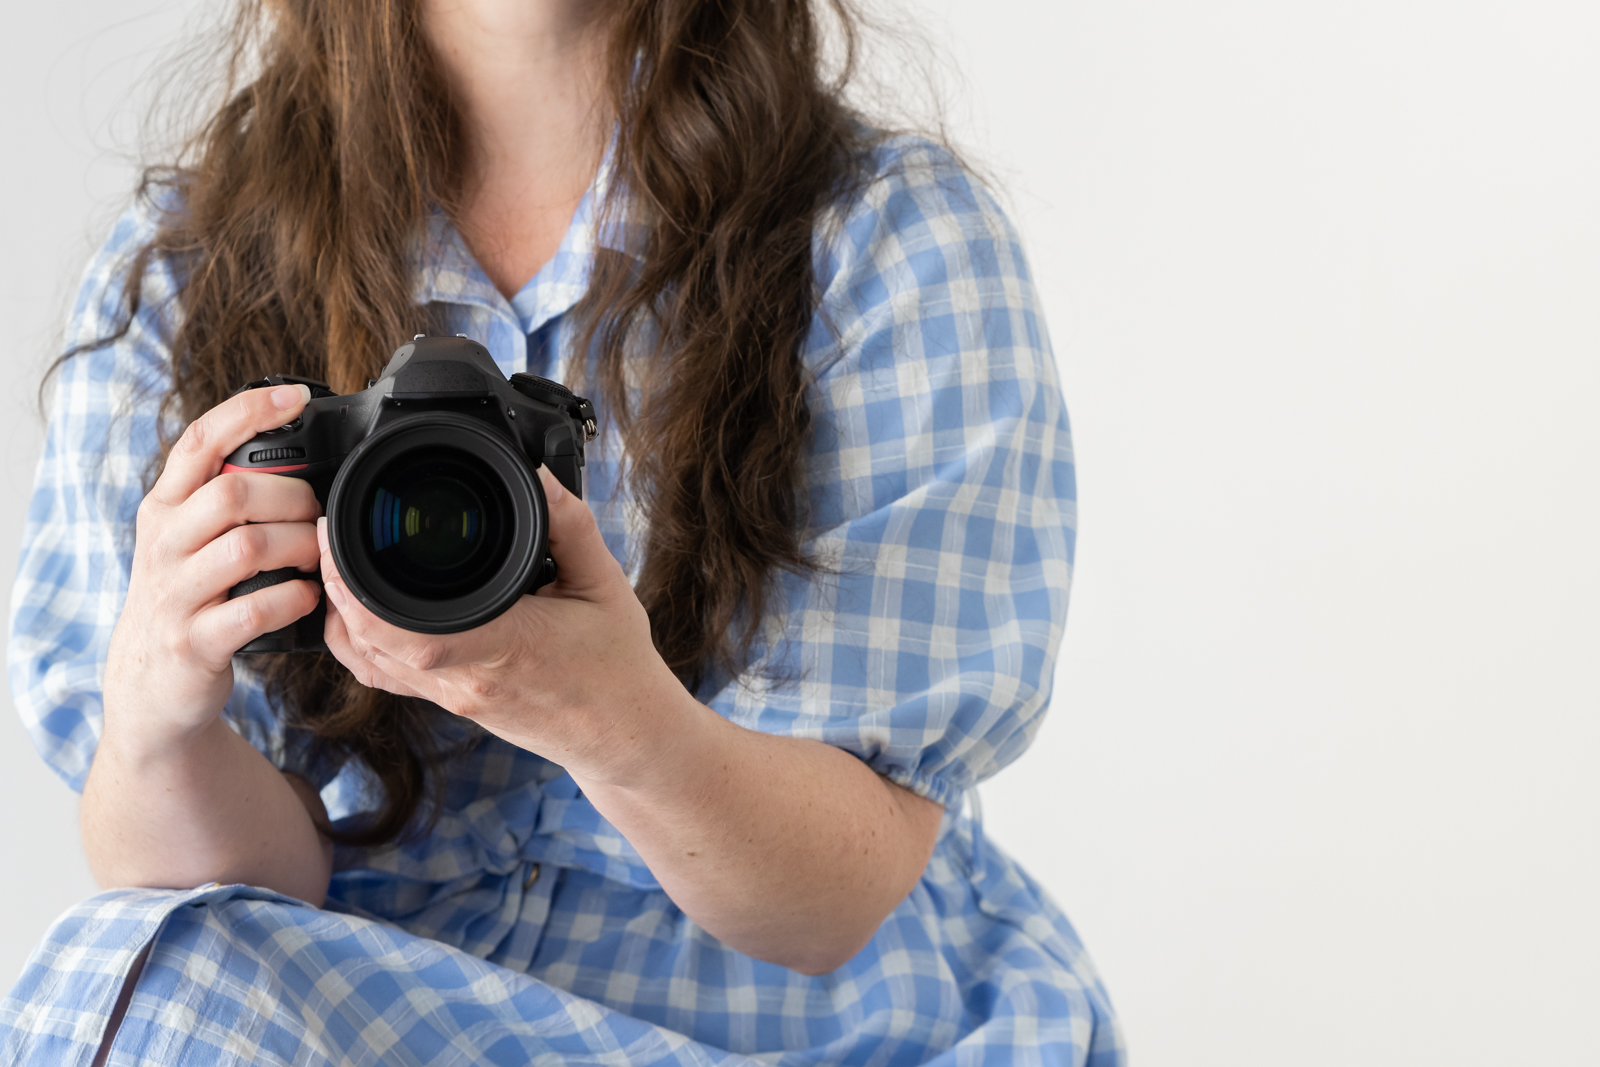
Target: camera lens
(438, 522)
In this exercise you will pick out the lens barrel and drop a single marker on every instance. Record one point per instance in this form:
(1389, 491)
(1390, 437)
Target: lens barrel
(437, 523)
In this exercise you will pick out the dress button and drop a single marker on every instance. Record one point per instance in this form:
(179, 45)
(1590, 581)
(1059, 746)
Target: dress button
(533, 876)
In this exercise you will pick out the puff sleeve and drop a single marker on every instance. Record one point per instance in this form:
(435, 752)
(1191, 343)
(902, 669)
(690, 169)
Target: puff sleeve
(77, 547)
(942, 497)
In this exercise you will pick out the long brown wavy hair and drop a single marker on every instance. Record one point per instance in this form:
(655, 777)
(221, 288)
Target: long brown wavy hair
(299, 204)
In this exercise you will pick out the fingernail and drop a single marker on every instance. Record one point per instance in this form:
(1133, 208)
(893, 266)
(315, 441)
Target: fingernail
(322, 535)
(336, 594)
(552, 485)
(287, 396)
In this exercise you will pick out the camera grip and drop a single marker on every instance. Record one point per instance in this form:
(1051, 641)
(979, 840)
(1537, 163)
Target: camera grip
(302, 635)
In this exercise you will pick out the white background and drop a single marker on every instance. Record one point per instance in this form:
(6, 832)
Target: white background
(1324, 281)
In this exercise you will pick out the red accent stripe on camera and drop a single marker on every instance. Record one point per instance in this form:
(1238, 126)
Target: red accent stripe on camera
(234, 468)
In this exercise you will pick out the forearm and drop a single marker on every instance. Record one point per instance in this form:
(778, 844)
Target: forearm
(197, 808)
(792, 851)
(788, 850)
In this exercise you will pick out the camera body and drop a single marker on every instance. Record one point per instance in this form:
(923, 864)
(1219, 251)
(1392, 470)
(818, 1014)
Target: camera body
(437, 520)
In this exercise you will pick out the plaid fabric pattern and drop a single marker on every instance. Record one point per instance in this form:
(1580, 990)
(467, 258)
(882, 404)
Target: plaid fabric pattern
(525, 928)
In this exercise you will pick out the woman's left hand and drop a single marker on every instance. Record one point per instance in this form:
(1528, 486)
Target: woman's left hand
(788, 849)
(570, 673)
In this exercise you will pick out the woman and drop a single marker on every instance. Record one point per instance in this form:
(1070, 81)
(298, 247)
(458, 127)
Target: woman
(699, 800)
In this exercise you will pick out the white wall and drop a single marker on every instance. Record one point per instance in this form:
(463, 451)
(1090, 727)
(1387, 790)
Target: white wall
(67, 123)
(1319, 786)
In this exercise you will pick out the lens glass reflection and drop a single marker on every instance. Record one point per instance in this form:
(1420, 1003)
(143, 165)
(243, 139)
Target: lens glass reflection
(438, 523)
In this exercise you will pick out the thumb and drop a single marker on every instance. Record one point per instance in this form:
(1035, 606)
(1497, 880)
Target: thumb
(584, 566)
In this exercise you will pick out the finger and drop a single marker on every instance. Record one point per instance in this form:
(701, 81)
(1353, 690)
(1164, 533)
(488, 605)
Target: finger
(368, 673)
(378, 640)
(216, 633)
(395, 648)
(370, 666)
(231, 499)
(585, 567)
(246, 551)
(208, 440)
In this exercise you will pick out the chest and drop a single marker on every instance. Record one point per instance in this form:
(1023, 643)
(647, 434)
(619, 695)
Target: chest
(513, 236)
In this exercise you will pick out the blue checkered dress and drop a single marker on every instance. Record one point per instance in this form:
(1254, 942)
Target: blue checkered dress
(526, 928)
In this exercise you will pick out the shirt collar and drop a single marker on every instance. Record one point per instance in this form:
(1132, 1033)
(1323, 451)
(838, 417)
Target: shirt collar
(447, 272)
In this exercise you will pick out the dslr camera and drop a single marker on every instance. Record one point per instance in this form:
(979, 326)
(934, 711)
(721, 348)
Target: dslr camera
(436, 517)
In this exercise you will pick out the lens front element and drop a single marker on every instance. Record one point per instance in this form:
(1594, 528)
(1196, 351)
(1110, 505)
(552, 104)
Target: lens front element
(439, 521)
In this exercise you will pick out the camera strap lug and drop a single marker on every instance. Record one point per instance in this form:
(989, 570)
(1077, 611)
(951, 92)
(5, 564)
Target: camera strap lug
(558, 395)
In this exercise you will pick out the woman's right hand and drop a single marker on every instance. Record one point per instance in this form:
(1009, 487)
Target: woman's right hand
(199, 532)
(174, 797)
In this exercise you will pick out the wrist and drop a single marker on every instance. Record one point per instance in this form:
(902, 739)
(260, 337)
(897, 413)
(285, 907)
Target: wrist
(146, 743)
(155, 707)
(670, 736)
